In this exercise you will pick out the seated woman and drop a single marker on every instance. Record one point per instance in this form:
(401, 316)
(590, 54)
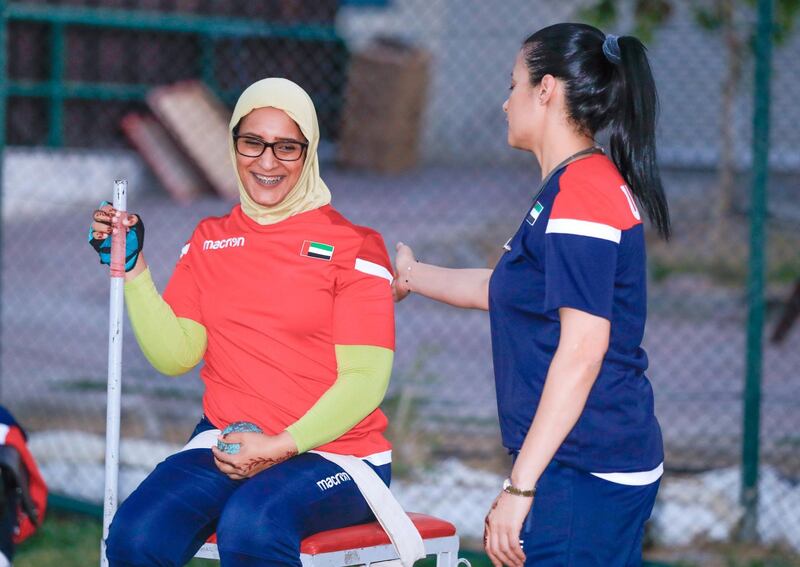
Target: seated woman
(289, 305)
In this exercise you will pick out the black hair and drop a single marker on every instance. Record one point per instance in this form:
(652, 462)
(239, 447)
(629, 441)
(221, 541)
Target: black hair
(608, 84)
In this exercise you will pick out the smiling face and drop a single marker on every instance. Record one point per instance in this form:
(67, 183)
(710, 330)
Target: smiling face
(266, 179)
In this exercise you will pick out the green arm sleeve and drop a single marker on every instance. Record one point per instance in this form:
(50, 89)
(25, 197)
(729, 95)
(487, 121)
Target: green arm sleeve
(173, 345)
(363, 378)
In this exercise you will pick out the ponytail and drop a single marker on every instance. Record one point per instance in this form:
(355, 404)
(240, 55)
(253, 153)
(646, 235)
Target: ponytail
(608, 83)
(633, 130)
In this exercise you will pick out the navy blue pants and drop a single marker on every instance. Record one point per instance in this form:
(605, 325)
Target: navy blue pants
(580, 520)
(259, 521)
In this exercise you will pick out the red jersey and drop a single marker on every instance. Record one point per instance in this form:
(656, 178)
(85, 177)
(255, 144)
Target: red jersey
(274, 300)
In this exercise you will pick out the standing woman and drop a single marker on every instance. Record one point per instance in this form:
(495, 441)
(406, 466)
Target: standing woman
(567, 303)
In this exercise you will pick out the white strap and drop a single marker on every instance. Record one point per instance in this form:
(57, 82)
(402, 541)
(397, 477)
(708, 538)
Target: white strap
(203, 440)
(391, 516)
(394, 520)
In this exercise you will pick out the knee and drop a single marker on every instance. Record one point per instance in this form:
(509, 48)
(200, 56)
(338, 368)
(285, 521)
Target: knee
(132, 543)
(125, 545)
(262, 531)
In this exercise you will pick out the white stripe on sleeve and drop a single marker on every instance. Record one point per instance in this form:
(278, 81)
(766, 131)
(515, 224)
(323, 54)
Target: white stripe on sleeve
(373, 269)
(584, 228)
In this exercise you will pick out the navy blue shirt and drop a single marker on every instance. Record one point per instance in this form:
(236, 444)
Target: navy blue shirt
(581, 245)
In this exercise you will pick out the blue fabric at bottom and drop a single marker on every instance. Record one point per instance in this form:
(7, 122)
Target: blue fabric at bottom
(259, 521)
(579, 520)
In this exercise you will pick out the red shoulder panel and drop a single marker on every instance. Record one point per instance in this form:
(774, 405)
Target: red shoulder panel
(592, 190)
(373, 248)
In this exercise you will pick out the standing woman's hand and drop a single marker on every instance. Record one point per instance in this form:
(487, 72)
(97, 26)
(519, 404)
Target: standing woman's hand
(403, 260)
(502, 528)
(101, 229)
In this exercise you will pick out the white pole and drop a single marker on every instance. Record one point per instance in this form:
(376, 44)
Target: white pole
(116, 306)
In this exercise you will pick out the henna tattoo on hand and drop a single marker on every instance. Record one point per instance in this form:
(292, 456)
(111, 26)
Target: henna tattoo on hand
(256, 462)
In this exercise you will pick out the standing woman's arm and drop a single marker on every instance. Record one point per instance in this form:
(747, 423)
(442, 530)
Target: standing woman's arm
(467, 288)
(572, 373)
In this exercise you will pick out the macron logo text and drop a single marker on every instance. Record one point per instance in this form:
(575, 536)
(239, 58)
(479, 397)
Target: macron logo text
(224, 243)
(332, 481)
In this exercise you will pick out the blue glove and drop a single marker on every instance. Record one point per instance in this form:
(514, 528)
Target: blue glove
(133, 244)
(237, 427)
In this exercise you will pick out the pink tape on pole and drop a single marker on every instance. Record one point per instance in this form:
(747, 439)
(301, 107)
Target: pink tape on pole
(118, 246)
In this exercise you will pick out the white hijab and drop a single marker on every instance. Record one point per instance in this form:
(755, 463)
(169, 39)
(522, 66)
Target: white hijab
(310, 191)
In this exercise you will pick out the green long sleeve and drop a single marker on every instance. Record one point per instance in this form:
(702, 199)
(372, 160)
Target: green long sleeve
(359, 388)
(173, 345)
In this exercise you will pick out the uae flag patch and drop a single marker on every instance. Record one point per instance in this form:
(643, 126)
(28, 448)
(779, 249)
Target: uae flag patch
(317, 250)
(535, 212)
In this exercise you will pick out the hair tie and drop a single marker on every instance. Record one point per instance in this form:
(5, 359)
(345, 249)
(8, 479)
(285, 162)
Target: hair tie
(611, 49)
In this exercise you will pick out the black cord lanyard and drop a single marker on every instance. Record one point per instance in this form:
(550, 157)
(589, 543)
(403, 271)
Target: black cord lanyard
(577, 155)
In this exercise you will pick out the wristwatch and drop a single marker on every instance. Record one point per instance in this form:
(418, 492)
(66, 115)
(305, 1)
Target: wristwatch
(511, 489)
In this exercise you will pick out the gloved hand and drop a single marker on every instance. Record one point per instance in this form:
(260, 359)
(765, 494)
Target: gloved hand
(100, 232)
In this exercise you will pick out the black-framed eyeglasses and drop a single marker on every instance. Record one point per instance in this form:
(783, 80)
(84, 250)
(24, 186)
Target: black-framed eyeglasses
(284, 150)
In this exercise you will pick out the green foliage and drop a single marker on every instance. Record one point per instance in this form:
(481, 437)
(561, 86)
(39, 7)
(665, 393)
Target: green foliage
(786, 12)
(603, 13)
(649, 15)
(711, 15)
(69, 540)
(62, 541)
(412, 446)
(772, 560)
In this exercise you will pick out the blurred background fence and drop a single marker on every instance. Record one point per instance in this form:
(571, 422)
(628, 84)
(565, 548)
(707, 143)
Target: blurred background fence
(409, 96)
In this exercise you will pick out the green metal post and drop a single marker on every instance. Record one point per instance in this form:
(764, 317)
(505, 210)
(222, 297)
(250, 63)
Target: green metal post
(755, 285)
(58, 47)
(3, 106)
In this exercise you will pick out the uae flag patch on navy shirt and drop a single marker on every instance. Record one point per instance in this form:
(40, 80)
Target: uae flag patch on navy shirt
(535, 211)
(317, 250)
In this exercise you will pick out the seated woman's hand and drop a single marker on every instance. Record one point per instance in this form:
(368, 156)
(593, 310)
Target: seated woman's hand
(101, 228)
(257, 452)
(403, 260)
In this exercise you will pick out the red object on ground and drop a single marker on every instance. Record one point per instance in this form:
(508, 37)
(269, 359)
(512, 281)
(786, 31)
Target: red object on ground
(11, 434)
(367, 535)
